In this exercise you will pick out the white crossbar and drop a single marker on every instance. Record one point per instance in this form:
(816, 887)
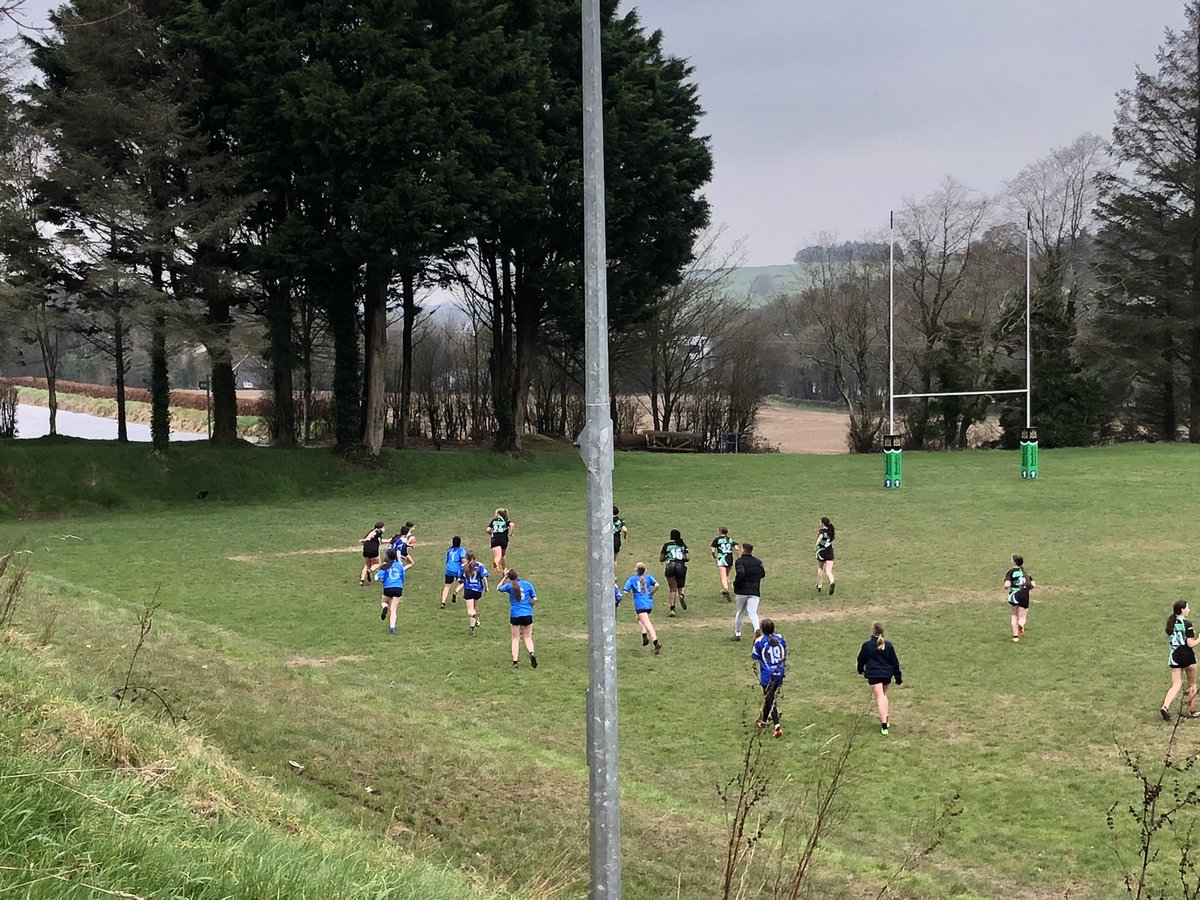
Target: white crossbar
(962, 394)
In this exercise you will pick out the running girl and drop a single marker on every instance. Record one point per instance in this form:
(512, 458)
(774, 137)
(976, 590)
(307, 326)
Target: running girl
(643, 587)
(877, 663)
(521, 597)
(501, 529)
(675, 554)
(474, 586)
(1019, 584)
(770, 652)
(1181, 637)
(824, 550)
(408, 534)
(392, 575)
(456, 555)
(723, 549)
(370, 552)
(620, 532)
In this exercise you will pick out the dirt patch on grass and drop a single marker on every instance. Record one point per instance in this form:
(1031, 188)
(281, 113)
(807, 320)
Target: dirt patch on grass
(319, 662)
(252, 557)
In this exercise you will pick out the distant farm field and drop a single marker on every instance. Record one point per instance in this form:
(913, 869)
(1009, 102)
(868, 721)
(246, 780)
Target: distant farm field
(429, 739)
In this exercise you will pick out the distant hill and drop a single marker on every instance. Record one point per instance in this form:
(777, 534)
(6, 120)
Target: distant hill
(762, 283)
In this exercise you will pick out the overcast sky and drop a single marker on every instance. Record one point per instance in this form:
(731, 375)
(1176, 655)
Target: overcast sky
(823, 115)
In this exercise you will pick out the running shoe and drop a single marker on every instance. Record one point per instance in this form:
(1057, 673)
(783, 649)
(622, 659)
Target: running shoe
(761, 723)
(383, 611)
(657, 648)
(832, 585)
(777, 732)
(532, 660)
(1165, 713)
(737, 637)
(514, 663)
(471, 631)
(645, 639)
(1016, 640)
(725, 594)
(883, 729)
(683, 602)
(391, 630)
(672, 612)
(819, 588)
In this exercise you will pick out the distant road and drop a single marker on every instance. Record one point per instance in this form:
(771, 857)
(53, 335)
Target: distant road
(34, 422)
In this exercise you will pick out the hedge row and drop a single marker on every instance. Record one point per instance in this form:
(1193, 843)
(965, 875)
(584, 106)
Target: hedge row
(180, 399)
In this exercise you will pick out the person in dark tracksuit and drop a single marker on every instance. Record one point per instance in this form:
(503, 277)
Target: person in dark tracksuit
(877, 662)
(748, 573)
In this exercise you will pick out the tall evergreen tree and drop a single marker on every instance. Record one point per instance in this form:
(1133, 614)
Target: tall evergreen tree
(1150, 239)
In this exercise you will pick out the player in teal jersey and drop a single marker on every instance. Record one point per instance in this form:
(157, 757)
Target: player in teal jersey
(1181, 637)
(675, 554)
(1019, 584)
(500, 528)
(723, 550)
(620, 532)
(824, 550)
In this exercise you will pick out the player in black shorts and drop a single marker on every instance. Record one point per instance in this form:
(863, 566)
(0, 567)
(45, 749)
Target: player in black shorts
(723, 550)
(1181, 637)
(620, 532)
(370, 552)
(500, 528)
(675, 554)
(824, 550)
(1019, 583)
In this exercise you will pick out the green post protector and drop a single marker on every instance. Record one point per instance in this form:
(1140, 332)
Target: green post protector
(892, 467)
(1029, 453)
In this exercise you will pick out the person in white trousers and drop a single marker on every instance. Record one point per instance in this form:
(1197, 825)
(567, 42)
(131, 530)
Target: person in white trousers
(748, 574)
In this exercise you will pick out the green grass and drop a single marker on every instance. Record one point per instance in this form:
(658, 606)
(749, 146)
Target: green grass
(275, 652)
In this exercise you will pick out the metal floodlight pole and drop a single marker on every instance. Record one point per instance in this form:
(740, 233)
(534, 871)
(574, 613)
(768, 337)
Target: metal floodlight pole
(596, 448)
(892, 322)
(1028, 294)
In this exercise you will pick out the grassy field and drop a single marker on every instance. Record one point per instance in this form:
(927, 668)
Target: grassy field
(431, 741)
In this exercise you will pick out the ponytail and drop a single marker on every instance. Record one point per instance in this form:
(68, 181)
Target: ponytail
(515, 579)
(828, 526)
(641, 570)
(1176, 610)
(877, 633)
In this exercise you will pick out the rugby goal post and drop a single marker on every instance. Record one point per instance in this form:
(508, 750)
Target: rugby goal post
(892, 452)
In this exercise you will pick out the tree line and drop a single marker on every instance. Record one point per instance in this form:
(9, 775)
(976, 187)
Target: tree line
(1115, 300)
(226, 172)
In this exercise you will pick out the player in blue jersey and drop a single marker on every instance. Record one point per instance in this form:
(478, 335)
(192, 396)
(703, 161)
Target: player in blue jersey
(521, 597)
(770, 652)
(1181, 637)
(456, 555)
(392, 576)
(824, 550)
(643, 587)
(723, 550)
(501, 529)
(474, 586)
(877, 662)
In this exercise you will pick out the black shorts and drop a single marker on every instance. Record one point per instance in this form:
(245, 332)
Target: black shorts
(500, 540)
(678, 571)
(887, 680)
(1020, 598)
(393, 592)
(520, 620)
(616, 544)
(1183, 658)
(469, 594)
(724, 562)
(451, 579)
(825, 555)
(371, 554)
